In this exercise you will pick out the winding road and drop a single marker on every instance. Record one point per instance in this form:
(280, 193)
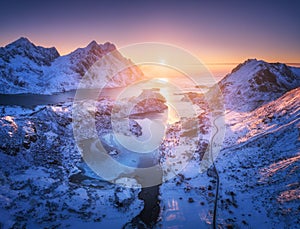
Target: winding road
(217, 176)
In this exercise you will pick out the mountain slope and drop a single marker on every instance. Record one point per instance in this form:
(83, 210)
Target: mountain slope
(259, 167)
(243, 127)
(254, 83)
(26, 68)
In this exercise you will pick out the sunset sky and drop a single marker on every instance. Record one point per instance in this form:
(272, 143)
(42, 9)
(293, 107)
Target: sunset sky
(217, 32)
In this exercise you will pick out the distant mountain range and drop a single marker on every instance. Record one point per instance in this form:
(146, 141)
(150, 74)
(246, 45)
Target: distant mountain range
(27, 68)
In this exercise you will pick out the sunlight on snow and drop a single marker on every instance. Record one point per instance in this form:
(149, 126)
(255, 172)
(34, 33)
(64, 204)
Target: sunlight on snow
(289, 195)
(276, 167)
(14, 125)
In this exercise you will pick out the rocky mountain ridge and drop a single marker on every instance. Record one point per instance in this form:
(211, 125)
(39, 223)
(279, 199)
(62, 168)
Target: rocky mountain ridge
(27, 68)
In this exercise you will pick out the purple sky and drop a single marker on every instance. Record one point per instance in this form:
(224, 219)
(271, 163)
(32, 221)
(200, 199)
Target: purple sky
(217, 32)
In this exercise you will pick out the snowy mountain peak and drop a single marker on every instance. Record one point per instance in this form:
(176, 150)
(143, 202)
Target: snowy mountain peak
(21, 42)
(92, 44)
(256, 82)
(108, 47)
(24, 48)
(94, 48)
(248, 63)
(84, 58)
(258, 65)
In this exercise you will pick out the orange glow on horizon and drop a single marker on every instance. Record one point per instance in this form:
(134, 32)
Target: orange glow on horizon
(219, 60)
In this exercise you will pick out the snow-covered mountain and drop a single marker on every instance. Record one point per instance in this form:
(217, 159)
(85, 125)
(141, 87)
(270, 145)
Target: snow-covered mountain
(27, 68)
(45, 183)
(256, 82)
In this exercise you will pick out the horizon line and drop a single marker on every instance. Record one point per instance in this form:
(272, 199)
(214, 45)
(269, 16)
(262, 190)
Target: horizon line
(240, 63)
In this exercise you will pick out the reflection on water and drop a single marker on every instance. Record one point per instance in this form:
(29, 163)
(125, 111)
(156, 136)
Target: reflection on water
(179, 213)
(173, 212)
